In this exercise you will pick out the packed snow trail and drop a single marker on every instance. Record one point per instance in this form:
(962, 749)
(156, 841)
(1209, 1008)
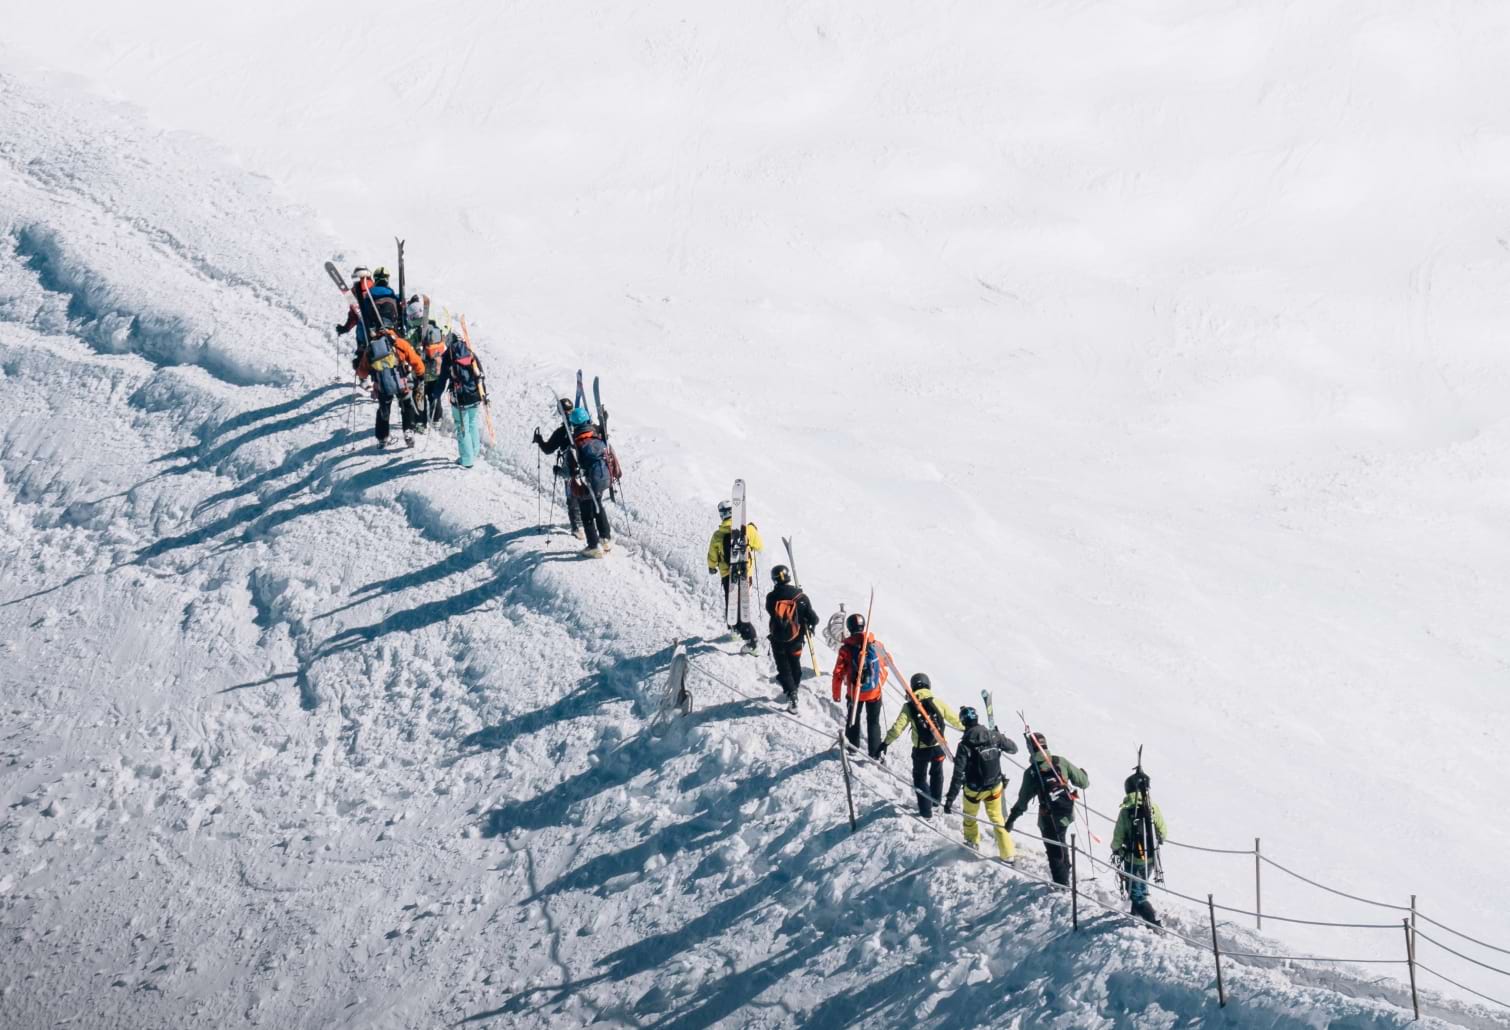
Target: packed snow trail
(300, 735)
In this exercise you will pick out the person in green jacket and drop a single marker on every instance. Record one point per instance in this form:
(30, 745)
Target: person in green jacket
(927, 750)
(1135, 842)
(1051, 779)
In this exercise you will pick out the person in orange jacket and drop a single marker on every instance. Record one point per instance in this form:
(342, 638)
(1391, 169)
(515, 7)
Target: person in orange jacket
(389, 360)
(863, 686)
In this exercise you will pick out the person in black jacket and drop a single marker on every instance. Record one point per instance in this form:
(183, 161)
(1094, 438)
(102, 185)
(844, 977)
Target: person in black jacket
(584, 464)
(977, 767)
(791, 618)
(565, 465)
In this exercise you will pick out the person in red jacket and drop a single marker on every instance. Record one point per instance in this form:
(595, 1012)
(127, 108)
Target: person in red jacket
(862, 685)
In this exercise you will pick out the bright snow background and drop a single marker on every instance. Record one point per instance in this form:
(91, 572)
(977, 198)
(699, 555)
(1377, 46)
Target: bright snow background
(1146, 359)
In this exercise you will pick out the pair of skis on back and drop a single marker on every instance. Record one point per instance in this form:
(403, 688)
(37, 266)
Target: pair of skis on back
(575, 467)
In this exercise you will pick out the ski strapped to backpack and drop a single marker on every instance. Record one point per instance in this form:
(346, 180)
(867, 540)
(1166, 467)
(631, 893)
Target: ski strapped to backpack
(1060, 797)
(482, 387)
(1143, 841)
(854, 696)
(985, 699)
(917, 705)
(573, 463)
(403, 298)
(615, 471)
(812, 648)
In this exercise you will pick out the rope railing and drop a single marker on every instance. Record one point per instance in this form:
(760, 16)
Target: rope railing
(1089, 894)
(1419, 935)
(1458, 933)
(1333, 890)
(1461, 987)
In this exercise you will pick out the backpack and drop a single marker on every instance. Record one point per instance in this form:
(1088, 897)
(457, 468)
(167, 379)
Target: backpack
(380, 356)
(871, 674)
(1054, 794)
(786, 621)
(982, 757)
(433, 348)
(592, 459)
(467, 387)
(926, 738)
(386, 305)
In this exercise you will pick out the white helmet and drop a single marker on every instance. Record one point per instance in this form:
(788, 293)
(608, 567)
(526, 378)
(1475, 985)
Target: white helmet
(726, 508)
(361, 272)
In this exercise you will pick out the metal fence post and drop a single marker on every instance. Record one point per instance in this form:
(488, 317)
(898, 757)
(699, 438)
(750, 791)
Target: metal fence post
(849, 795)
(1258, 881)
(1216, 949)
(1074, 886)
(1410, 960)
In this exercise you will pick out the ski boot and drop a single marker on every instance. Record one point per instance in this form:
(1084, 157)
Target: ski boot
(1144, 910)
(750, 647)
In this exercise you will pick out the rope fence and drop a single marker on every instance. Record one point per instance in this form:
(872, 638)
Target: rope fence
(1412, 934)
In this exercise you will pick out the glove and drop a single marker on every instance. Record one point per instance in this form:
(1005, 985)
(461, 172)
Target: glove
(712, 572)
(949, 807)
(537, 435)
(340, 328)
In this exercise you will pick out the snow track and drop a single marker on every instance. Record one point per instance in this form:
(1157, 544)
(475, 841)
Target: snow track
(301, 735)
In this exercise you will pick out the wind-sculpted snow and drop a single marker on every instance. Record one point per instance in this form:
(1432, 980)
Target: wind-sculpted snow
(301, 735)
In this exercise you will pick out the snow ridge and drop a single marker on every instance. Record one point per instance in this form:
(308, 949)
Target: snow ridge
(301, 735)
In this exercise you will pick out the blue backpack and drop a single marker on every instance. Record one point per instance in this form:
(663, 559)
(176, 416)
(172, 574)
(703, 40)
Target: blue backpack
(592, 455)
(466, 375)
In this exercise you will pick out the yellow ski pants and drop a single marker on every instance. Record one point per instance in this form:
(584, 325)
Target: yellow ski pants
(992, 800)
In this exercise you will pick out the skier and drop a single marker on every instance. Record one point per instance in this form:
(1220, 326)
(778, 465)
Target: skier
(1130, 842)
(369, 321)
(718, 562)
(588, 475)
(1049, 778)
(790, 619)
(433, 347)
(862, 686)
(384, 299)
(386, 357)
(927, 751)
(977, 768)
(556, 444)
(461, 371)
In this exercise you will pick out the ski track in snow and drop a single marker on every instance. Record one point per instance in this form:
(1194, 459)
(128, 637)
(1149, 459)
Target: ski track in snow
(301, 735)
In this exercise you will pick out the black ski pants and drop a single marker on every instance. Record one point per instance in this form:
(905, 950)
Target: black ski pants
(744, 629)
(407, 414)
(870, 712)
(435, 400)
(788, 668)
(595, 517)
(928, 778)
(1053, 842)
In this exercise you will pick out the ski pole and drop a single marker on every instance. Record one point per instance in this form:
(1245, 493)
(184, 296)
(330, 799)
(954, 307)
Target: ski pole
(539, 500)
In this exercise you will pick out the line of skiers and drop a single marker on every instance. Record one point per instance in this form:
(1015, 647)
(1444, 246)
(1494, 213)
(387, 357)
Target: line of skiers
(406, 356)
(410, 358)
(861, 672)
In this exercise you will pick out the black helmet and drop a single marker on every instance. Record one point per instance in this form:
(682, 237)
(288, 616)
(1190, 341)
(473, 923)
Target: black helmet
(1037, 742)
(1137, 783)
(855, 623)
(920, 681)
(566, 404)
(780, 574)
(968, 717)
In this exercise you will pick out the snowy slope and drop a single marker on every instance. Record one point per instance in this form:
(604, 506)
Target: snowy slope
(1236, 329)
(1148, 358)
(302, 735)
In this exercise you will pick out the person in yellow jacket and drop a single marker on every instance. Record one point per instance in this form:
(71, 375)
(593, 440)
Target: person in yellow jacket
(927, 750)
(718, 563)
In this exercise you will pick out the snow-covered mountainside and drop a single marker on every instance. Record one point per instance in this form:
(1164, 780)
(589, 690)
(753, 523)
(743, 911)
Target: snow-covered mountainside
(1170, 413)
(302, 735)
